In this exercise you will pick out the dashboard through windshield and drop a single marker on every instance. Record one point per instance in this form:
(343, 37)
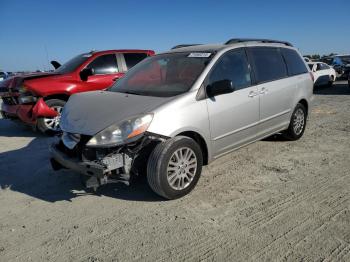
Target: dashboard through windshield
(163, 75)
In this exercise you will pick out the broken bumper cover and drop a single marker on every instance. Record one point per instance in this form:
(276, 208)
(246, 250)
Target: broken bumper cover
(83, 167)
(98, 172)
(28, 113)
(98, 168)
(23, 112)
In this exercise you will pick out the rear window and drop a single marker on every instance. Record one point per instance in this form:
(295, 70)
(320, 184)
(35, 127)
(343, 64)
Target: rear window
(295, 64)
(132, 59)
(268, 64)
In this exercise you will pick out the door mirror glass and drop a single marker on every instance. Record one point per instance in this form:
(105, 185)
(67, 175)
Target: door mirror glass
(220, 87)
(85, 73)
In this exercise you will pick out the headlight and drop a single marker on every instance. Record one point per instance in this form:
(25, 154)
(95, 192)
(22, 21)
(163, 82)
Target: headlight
(121, 133)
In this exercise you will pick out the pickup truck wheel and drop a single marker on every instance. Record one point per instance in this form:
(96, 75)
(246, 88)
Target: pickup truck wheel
(174, 167)
(50, 125)
(297, 123)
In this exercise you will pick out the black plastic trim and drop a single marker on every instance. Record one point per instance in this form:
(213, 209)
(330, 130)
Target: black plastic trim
(244, 40)
(184, 45)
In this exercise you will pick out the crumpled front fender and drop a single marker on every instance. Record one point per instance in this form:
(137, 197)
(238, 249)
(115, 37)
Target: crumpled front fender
(41, 109)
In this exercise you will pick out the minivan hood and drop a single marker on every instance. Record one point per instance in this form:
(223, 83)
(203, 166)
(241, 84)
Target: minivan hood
(90, 112)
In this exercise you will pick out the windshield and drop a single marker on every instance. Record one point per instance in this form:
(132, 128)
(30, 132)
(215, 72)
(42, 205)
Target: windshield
(72, 64)
(163, 75)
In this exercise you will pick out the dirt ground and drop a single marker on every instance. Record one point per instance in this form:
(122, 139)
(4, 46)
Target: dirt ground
(271, 201)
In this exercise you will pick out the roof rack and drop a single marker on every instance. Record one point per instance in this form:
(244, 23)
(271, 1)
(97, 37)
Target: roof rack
(241, 40)
(184, 45)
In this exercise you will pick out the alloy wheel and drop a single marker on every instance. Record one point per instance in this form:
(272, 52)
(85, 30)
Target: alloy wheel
(181, 168)
(298, 121)
(53, 123)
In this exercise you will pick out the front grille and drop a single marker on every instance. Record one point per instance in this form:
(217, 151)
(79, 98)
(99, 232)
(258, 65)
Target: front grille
(10, 100)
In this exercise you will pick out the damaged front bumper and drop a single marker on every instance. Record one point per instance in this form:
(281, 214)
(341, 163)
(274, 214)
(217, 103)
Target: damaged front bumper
(103, 165)
(109, 169)
(26, 108)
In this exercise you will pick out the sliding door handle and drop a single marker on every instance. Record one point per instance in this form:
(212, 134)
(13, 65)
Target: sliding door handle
(252, 94)
(263, 90)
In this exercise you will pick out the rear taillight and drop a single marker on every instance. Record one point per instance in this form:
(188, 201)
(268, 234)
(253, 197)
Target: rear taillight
(312, 76)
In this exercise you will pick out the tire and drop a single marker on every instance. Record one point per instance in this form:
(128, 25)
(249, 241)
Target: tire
(183, 174)
(57, 105)
(331, 81)
(299, 116)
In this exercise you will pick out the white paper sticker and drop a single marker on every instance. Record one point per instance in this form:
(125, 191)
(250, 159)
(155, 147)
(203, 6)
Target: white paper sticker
(199, 55)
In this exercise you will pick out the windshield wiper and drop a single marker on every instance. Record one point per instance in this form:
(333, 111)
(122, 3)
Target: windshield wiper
(131, 93)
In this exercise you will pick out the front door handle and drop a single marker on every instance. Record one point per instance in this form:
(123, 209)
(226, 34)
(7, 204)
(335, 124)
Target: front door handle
(252, 94)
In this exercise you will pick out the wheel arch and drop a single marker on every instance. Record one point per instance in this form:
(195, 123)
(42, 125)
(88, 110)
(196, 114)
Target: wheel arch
(200, 141)
(304, 102)
(63, 97)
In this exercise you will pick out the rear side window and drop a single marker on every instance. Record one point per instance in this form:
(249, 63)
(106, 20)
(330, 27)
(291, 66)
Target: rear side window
(233, 66)
(104, 64)
(295, 64)
(132, 59)
(268, 64)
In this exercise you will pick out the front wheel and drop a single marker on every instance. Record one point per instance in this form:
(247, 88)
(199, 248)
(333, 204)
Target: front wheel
(174, 167)
(51, 125)
(297, 123)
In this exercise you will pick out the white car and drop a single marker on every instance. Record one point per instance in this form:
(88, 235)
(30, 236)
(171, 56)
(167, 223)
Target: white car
(323, 73)
(3, 75)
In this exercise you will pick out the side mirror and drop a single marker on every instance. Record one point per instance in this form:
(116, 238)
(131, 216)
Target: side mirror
(220, 87)
(85, 73)
(55, 64)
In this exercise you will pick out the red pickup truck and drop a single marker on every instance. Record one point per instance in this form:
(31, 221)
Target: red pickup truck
(37, 99)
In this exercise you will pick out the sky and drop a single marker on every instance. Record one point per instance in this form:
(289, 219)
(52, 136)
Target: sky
(34, 32)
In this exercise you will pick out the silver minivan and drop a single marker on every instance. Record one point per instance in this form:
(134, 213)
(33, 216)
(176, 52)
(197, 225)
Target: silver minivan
(179, 110)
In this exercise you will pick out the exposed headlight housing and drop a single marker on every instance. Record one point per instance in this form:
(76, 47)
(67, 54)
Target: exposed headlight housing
(26, 96)
(121, 133)
(23, 90)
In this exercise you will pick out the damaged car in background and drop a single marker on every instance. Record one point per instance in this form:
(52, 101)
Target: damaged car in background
(177, 111)
(37, 99)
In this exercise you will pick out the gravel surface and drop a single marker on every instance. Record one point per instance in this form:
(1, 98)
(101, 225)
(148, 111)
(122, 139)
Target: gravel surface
(272, 200)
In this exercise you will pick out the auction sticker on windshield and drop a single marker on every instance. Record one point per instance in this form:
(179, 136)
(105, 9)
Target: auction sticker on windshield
(199, 55)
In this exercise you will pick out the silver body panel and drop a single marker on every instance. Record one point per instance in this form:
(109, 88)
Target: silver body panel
(225, 122)
(90, 112)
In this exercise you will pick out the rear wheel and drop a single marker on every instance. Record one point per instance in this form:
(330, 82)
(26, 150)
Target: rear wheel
(174, 167)
(297, 123)
(50, 125)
